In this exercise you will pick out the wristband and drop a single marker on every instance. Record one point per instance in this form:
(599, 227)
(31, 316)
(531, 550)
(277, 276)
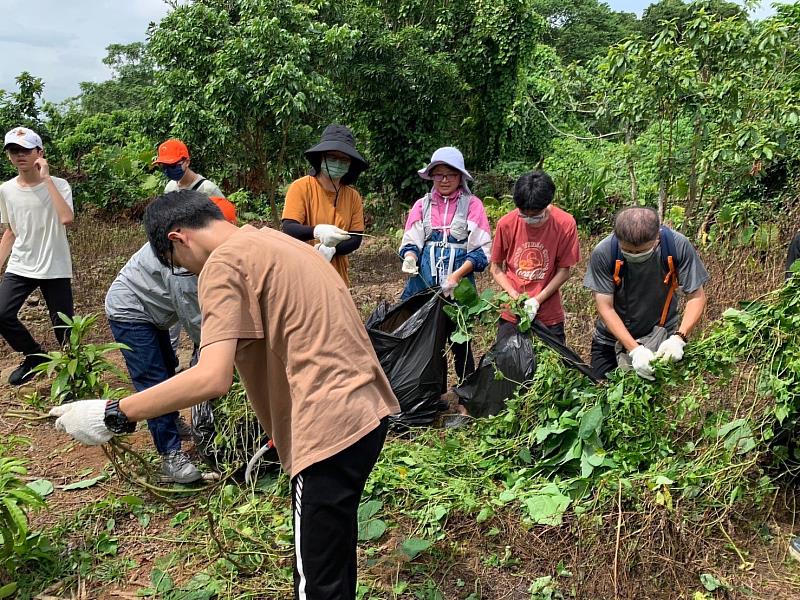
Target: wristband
(683, 336)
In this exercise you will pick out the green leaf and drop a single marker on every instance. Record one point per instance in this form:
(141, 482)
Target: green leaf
(368, 510)
(590, 422)
(459, 337)
(465, 293)
(8, 590)
(84, 483)
(371, 530)
(711, 583)
(412, 547)
(485, 514)
(43, 487)
(548, 506)
(162, 582)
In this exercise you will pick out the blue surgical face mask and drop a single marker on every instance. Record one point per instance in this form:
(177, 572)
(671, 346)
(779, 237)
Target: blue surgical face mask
(639, 257)
(174, 172)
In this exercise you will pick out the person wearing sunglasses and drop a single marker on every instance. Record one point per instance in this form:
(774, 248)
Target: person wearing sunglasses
(447, 237)
(174, 160)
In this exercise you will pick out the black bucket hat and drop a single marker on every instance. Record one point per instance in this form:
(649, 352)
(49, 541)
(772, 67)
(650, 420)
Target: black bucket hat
(338, 138)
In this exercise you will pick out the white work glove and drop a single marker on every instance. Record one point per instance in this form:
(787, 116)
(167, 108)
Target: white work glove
(410, 265)
(330, 235)
(671, 348)
(326, 251)
(641, 358)
(447, 288)
(83, 420)
(531, 307)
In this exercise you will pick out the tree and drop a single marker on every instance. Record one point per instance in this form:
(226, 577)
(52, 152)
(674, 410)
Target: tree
(22, 108)
(429, 74)
(719, 88)
(130, 84)
(678, 13)
(580, 30)
(245, 84)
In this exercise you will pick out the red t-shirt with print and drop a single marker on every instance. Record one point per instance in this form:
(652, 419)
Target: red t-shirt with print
(531, 256)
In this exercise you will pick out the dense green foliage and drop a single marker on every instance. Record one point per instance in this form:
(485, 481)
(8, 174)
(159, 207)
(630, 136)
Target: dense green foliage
(693, 106)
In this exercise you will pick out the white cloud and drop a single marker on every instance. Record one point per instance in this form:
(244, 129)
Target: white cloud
(64, 41)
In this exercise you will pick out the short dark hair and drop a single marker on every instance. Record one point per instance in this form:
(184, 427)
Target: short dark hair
(637, 225)
(534, 191)
(174, 210)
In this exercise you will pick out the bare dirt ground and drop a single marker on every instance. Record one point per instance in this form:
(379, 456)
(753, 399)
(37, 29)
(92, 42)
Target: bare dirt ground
(101, 248)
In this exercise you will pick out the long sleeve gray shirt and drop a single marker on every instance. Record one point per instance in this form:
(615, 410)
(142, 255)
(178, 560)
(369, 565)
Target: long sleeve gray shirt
(146, 291)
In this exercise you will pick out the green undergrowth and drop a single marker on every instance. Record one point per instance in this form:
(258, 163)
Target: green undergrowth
(704, 444)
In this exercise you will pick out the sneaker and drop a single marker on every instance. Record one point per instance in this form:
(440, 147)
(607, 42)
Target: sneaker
(794, 548)
(456, 420)
(22, 374)
(177, 467)
(184, 429)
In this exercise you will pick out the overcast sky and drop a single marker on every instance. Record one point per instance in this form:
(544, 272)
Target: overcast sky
(64, 41)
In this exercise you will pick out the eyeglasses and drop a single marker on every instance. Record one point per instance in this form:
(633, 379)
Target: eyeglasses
(181, 272)
(442, 176)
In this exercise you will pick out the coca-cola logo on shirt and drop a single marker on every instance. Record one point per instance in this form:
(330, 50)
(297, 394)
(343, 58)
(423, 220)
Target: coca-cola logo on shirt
(532, 261)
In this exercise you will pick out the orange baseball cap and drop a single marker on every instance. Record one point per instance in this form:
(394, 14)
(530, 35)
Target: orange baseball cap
(227, 207)
(171, 152)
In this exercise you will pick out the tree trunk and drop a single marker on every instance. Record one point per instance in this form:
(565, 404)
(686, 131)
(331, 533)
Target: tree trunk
(696, 139)
(631, 166)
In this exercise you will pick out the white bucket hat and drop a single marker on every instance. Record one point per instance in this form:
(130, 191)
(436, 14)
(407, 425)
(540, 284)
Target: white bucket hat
(449, 156)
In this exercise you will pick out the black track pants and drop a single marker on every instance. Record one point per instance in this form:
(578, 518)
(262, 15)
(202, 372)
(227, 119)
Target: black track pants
(325, 498)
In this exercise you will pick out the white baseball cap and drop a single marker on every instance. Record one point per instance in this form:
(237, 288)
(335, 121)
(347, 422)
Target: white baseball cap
(22, 136)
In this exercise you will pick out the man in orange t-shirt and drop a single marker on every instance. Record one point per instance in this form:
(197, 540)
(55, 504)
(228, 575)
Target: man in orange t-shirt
(533, 250)
(274, 308)
(323, 208)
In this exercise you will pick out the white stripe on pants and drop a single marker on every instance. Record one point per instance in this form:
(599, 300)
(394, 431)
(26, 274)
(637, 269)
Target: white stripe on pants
(298, 500)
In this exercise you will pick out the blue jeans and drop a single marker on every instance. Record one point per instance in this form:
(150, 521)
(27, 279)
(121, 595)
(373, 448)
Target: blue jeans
(150, 361)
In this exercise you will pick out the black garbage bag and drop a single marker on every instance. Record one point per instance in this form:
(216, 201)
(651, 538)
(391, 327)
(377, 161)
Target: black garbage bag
(410, 339)
(568, 356)
(226, 440)
(483, 392)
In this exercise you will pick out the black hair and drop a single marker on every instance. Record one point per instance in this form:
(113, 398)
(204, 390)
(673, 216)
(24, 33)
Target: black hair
(637, 225)
(182, 209)
(534, 191)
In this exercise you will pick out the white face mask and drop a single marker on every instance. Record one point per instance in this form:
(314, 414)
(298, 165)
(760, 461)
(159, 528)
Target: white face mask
(537, 220)
(639, 257)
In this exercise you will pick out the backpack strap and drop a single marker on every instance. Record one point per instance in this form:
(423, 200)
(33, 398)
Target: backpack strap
(619, 260)
(426, 217)
(670, 261)
(197, 184)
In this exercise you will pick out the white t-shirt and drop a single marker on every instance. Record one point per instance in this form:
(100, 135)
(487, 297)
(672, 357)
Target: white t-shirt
(41, 250)
(209, 188)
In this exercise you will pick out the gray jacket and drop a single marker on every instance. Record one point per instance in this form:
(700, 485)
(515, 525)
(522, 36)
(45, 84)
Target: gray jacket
(146, 291)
